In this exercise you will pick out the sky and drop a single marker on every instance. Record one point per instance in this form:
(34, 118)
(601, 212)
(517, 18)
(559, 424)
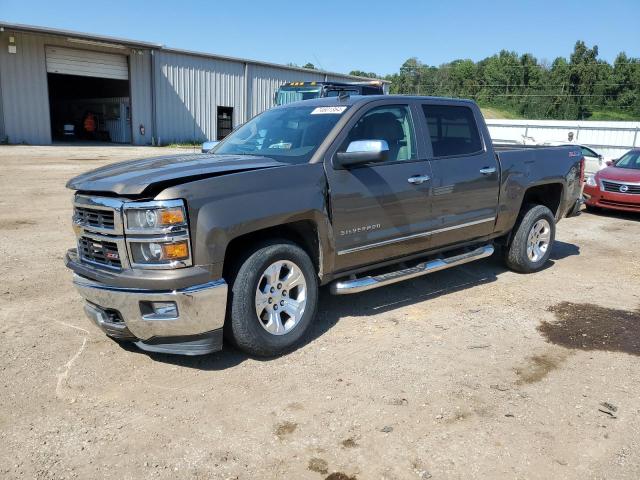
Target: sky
(340, 36)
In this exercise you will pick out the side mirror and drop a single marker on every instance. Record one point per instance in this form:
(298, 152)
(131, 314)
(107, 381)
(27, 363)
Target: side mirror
(610, 163)
(360, 152)
(207, 146)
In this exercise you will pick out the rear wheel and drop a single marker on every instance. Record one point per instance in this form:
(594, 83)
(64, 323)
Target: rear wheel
(532, 240)
(274, 299)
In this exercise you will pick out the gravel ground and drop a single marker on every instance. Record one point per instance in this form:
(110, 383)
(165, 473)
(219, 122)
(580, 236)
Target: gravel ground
(475, 372)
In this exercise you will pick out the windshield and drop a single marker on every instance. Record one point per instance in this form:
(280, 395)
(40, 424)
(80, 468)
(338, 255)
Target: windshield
(295, 94)
(629, 160)
(290, 134)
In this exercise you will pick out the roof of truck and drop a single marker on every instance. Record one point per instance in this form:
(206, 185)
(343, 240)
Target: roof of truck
(354, 99)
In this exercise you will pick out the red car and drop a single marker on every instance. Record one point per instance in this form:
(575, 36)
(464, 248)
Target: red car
(616, 187)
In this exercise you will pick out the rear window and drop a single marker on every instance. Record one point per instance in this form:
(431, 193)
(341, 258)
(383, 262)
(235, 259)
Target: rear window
(453, 130)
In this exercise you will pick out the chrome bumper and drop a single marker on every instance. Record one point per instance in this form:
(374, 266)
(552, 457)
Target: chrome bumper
(121, 313)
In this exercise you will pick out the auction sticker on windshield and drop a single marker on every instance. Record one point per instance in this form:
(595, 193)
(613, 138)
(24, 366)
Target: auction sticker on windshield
(328, 110)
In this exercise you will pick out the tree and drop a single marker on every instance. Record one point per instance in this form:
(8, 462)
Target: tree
(309, 65)
(360, 73)
(573, 88)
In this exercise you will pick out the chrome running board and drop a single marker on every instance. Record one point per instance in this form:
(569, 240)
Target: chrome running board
(357, 285)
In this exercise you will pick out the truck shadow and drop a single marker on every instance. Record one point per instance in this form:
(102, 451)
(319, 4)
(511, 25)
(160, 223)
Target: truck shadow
(331, 308)
(619, 214)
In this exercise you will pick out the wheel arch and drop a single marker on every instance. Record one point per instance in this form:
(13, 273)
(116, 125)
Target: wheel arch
(548, 194)
(304, 233)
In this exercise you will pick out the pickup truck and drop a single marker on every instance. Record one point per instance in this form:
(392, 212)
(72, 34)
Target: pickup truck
(177, 253)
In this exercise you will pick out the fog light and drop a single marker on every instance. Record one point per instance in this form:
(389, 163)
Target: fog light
(159, 310)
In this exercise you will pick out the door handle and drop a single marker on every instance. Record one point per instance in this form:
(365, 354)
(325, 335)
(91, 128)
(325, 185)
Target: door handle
(418, 179)
(488, 170)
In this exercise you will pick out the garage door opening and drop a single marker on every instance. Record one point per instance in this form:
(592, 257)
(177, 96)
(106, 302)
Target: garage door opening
(89, 96)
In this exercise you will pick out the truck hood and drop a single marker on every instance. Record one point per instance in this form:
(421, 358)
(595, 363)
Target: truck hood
(134, 177)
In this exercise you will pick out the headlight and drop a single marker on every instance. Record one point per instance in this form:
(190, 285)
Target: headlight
(158, 252)
(155, 216)
(157, 234)
(591, 181)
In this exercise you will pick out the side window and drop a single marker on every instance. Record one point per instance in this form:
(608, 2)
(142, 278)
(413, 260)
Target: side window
(452, 129)
(587, 152)
(391, 123)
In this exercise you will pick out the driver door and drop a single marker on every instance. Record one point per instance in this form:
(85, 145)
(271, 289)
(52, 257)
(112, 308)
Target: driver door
(379, 210)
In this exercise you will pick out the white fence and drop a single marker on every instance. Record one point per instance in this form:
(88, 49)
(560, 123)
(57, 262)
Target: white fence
(611, 139)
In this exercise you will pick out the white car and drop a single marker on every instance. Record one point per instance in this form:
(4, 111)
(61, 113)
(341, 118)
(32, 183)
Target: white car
(594, 161)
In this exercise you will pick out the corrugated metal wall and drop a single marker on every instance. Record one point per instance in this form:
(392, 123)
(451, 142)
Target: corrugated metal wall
(2, 133)
(140, 93)
(25, 96)
(189, 89)
(24, 90)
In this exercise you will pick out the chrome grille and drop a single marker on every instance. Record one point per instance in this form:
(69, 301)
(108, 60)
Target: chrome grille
(99, 252)
(90, 217)
(615, 188)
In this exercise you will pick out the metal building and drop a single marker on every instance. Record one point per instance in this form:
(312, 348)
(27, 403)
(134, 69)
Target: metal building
(136, 92)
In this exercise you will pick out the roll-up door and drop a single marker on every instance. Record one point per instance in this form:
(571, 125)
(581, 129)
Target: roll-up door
(85, 63)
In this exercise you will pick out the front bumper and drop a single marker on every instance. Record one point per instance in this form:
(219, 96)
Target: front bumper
(596, 197)
(124, 313)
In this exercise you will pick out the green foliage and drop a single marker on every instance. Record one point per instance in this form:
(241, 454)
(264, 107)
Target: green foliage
(309, 65)
(360, 73)
(580, 87)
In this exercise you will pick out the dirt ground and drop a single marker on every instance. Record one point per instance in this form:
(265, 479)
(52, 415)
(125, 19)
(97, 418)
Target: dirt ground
(472, 373)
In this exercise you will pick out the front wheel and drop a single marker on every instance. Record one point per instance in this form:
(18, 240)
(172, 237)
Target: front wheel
(274, 299)
(532, 240)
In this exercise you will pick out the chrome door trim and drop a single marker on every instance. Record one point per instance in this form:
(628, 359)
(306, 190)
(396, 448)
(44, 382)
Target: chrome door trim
(414, 236)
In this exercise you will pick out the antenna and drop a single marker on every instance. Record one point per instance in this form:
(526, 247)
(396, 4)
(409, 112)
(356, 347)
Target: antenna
(317, 60)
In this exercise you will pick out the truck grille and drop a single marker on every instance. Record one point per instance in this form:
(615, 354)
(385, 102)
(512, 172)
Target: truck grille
(615, 188)
(99, 252)
(94, 218)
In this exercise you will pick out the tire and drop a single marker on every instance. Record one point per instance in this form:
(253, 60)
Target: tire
(521, 254)
(263, 335)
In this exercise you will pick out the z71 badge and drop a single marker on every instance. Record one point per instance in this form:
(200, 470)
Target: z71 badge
(364, 228)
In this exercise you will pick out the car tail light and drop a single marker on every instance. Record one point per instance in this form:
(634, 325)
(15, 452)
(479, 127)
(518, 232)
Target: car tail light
(582, 161)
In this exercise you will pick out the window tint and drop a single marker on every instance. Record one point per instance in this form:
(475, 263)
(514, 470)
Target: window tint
(391, 123)
(587, 152)
(336, 93)
(453, 130)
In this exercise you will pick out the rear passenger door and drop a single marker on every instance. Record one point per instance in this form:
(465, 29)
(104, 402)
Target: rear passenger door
(465, 176)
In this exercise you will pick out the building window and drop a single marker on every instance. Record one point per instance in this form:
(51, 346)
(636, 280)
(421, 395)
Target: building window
(225, 122)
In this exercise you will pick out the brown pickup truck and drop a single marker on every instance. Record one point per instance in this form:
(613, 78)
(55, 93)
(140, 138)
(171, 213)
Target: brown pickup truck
(175, 253)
